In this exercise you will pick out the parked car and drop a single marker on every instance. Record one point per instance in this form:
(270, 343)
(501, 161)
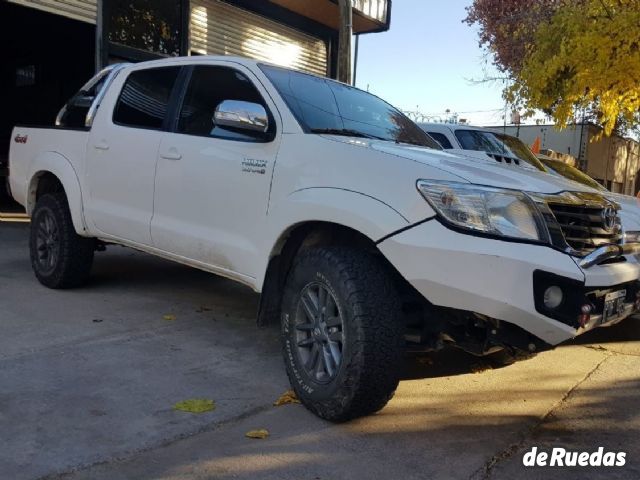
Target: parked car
(463, 139)
(630, 206)
(361, 234)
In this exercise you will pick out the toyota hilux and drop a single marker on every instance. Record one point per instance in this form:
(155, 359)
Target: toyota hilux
(361, 234)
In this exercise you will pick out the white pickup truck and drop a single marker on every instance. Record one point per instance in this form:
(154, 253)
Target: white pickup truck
(362, 235)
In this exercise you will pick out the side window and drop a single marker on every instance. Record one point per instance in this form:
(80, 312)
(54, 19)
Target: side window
(144, 98)
(208, 87)
(441, 139)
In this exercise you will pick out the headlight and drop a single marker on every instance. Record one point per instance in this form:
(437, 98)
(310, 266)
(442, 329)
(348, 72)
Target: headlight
(488, 210)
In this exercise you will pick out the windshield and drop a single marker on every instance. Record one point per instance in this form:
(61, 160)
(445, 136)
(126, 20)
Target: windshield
(497, 143)
(572, 173)
(322, 105)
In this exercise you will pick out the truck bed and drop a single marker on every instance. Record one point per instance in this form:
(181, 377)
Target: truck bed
(29, 142)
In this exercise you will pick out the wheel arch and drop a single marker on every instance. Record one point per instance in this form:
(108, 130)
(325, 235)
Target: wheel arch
(319, 216)
(52, 172)
(297, 237)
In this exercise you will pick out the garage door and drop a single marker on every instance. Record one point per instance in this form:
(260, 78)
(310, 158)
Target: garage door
(83, 10)
(221, 29)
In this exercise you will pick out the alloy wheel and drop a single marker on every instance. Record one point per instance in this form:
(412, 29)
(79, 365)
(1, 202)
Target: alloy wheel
(47, 242)
(319, 333)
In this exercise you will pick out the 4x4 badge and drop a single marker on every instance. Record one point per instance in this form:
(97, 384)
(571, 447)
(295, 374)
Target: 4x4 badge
(21, 138)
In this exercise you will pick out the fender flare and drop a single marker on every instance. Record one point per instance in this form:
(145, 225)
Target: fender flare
(58, 165)
(358, 211)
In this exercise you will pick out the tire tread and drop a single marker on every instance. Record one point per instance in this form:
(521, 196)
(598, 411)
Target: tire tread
(372, 374)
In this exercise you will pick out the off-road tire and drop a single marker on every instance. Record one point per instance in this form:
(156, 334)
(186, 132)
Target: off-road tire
(72, 265)
(372, 347)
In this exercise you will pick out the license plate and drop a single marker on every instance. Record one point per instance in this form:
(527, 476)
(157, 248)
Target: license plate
(613, 305)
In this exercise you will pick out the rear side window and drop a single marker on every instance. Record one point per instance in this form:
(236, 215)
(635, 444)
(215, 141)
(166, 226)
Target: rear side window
(144, 98)
(74, 113)
(441, 139)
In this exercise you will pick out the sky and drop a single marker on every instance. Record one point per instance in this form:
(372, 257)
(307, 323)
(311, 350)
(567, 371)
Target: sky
(428, 61)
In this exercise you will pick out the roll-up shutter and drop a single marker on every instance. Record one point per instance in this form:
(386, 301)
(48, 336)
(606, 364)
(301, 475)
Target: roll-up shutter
(83, 10)
(221, 29)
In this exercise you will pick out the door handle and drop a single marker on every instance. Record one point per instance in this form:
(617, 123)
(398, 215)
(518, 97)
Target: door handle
(101, 145)
(171, 154)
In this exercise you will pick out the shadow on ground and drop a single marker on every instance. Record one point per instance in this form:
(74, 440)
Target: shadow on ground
(101, 393)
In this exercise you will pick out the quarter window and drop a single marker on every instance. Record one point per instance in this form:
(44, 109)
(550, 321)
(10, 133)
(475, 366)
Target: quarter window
(209, 86)
(144, 99)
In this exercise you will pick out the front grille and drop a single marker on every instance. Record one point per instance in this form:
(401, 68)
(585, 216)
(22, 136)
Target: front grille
(585, 227)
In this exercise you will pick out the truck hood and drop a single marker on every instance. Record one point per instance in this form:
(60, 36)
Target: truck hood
(480, 169)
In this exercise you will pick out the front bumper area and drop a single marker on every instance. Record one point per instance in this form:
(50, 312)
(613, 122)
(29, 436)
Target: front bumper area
(495, 278)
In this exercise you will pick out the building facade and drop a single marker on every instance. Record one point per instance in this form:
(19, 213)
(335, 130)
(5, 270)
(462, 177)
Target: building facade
(613, 161)
(49, 48)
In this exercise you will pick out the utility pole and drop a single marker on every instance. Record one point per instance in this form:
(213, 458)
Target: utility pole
(355, 60)
(344, 41)
(99, 54)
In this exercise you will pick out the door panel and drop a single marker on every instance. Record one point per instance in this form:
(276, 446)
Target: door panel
(121, 164)
(210, 204)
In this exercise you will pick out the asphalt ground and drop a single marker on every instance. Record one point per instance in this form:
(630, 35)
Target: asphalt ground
(89, 379)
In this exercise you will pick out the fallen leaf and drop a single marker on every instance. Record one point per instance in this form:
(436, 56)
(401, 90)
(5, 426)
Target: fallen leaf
(287, 397)
(169, 317)
(259, 434)
(195, 405)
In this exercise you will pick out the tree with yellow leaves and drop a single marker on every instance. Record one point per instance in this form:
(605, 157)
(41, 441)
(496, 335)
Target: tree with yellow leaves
(580, 55)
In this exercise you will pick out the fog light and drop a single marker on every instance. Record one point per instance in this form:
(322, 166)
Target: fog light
(553, 297)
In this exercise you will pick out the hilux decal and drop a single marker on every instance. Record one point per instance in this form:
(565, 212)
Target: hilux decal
(252, 165)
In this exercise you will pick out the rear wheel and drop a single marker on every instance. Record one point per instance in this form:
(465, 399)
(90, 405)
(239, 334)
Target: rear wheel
(341, 331)
(60, 258)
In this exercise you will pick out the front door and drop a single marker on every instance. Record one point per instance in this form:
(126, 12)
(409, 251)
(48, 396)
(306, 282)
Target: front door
(212, 183)
(122, 153)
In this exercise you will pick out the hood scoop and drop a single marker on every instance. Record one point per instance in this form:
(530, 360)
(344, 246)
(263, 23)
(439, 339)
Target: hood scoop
(504, 159)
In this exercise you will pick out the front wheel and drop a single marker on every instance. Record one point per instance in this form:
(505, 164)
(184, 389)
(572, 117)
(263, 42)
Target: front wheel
(342, 334)
(60, 258)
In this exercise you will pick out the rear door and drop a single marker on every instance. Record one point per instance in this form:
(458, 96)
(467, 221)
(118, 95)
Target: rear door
(212, 183)
(123, 151)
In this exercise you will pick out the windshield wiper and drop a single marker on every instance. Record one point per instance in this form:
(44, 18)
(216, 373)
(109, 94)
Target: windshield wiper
(346, 132)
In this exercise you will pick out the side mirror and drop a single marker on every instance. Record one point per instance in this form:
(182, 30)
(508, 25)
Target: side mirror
(241, 115)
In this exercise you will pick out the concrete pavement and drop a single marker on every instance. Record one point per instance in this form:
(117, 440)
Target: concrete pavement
(88, 379)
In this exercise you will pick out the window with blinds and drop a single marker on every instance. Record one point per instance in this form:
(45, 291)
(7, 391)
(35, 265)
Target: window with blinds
(83, 10)
(221, 29)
